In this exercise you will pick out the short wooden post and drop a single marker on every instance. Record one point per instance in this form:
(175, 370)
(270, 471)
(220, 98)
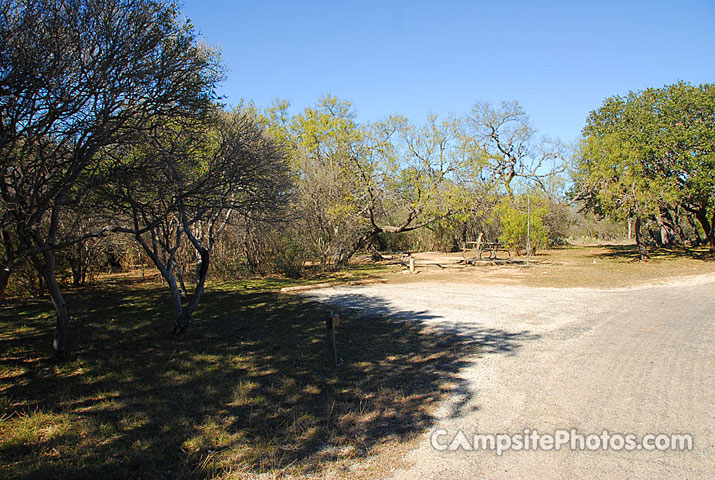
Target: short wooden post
(331, 321)
(412, 265)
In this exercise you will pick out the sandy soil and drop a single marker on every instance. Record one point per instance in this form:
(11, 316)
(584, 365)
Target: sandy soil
(629, 360)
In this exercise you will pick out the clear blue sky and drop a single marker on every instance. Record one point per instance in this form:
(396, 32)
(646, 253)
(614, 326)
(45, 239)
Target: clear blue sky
(559, 59)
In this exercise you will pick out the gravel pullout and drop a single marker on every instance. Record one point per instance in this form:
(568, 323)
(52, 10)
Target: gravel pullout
(635, 360)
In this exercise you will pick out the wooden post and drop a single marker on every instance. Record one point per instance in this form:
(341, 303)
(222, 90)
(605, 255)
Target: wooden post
(412, 265)
(331, 321)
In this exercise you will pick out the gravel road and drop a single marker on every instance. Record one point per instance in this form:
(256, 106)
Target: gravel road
(637, 360)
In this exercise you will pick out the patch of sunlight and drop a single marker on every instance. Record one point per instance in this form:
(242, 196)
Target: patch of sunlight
(311, 390)
(35, 427)
(244, 393)
(133, 420)
(213, 433)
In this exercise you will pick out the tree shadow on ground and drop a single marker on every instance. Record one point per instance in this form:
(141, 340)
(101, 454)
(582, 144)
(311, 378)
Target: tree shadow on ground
(248, 389)
(630, 253)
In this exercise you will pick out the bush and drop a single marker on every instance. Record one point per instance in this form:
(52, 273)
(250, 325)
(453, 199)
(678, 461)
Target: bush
(517, 218)
(289, 258)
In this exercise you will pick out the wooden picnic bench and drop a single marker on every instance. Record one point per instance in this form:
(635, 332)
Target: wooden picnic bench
(480, 250)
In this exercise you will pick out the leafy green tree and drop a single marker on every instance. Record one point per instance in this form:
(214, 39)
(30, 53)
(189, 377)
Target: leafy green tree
(649, 152)
(613, 174)
(683, 147)
(329, 157)
(522, 216)
(355, 182)
(183, 186)
(77, 78)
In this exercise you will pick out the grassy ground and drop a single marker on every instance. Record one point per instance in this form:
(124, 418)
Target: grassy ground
(613, 266)
(247, 390)
(604, 266)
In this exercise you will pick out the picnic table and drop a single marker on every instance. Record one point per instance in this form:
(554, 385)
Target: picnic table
(479, 250)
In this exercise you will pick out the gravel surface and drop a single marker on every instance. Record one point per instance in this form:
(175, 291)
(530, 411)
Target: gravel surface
(634, 360)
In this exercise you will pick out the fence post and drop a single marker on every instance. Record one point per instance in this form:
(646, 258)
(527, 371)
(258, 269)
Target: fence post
(331, 321)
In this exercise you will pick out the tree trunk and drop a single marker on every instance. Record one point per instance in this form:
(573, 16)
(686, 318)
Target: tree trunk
(344, 257)
(202, 273)
(76, 272)
(664, 237)
(696, 231)
(251, 248)
(78, 262)
(60, 343)
(708, 226)
(672, 220)
(642, 247)
(4, 279)
(5, 261)
(180, 277)
(175, 293)
(374, 253)
(711, 242)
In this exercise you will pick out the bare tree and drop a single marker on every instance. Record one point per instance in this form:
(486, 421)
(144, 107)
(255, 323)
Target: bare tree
(505, 138)
(78, 77)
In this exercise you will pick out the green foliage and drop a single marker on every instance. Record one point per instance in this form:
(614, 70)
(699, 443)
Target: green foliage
(355, 181)
(517, 217)
(649, 152)
(612, 169)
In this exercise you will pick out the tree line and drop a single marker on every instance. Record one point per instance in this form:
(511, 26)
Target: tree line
(116, 152)
(110, 124)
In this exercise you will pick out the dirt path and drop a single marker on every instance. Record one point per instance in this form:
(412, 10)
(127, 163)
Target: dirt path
(637, 360)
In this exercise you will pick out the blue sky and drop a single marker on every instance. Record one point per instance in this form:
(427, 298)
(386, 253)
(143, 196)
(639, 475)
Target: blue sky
(560, 60)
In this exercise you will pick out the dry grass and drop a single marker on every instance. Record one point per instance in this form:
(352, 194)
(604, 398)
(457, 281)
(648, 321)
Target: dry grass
(247, 391)
(604, 266)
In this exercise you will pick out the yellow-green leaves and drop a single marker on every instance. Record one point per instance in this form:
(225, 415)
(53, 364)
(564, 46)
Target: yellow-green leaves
(650, 149)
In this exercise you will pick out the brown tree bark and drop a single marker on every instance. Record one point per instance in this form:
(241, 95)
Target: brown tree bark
(4, 279)
(664, 237)
(672, 220)
(708, 225)
(640, 241)
(6, 261)
(182, 320)
(374, 253)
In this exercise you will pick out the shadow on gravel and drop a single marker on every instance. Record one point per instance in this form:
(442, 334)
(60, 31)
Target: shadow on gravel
(462, 343)
(247, 390)
(488, 340)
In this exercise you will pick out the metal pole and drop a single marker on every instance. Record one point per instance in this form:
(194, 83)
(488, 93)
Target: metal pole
(528, 228)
